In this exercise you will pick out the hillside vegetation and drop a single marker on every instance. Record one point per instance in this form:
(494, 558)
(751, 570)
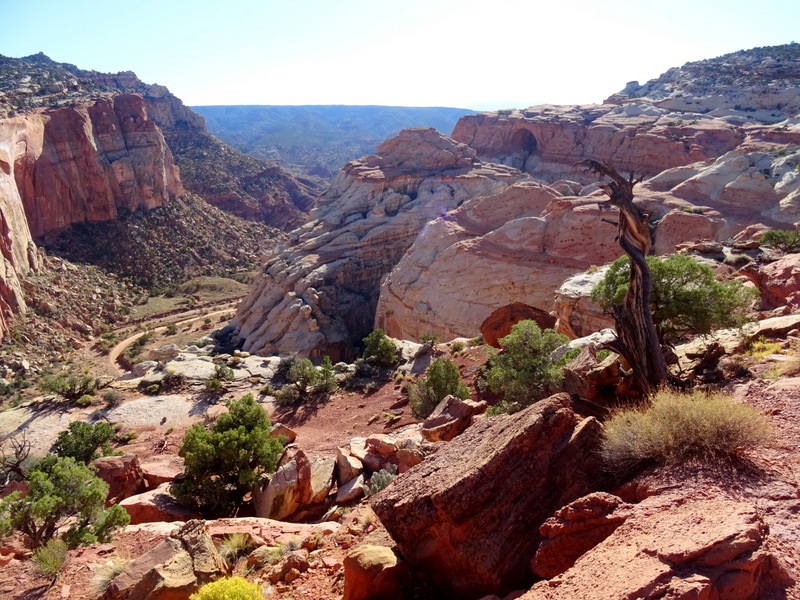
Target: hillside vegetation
(318, 140)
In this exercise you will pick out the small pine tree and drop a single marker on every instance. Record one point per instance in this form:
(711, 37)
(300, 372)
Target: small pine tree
(379, 346)
(81, 441)
(225, 462)
(64, 493)
(524, 372)
(441, 380)
(327, 376)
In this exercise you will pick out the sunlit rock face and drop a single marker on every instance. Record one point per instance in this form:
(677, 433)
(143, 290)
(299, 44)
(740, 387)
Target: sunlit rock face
(318, 294)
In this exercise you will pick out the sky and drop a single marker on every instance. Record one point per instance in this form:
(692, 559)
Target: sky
(467, 53)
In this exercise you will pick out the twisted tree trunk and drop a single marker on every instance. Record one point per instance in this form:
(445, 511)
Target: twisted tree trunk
(637, 340)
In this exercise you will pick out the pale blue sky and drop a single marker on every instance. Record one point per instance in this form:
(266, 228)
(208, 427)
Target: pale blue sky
(465, 53)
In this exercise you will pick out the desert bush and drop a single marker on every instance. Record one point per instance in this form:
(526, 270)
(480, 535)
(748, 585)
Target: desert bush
(760, 347)
(303, 376)
(327, 376)
(50, 558)
(429, 337)
(71, 387)
(229, 588)
(457, 346)
(785, 240)
(113, 398)
(380, 480)
(441, 380)
(64, 495)
(675, 427)
(685, 297)
(85, 400)
(379, 346)
(524, 371)
(171, 329)
(222, 373)
(81, 441)
(106, 573)
(225, 462)
(234, 546)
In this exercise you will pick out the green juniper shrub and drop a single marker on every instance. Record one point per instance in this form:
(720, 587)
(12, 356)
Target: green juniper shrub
(64, 495)
(685, 297)
(327, 376)
(524, 371)
(70, 387)
(224, 462)
(81, 441)
(442, 379)
(378, 346)
(786, 240)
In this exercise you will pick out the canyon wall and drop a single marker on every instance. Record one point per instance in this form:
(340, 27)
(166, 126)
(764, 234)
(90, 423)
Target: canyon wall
(318, 295)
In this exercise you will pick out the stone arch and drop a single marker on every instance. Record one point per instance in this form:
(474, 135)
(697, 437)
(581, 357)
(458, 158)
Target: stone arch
(523, 142)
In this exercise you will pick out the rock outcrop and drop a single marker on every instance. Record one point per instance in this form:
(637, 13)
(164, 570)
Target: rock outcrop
(778, 282)
(173, 569)
(89, 162)
(703, 549)
(466, 519)
(373, 573)
(318, 295)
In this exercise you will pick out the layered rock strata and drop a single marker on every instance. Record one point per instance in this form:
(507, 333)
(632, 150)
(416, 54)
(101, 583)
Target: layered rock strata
(318, 294)
(444, 515)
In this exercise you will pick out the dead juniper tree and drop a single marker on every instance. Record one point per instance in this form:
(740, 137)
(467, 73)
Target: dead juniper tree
(637, 339)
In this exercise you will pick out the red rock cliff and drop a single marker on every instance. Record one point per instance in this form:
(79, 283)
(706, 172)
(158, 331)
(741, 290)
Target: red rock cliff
(89, 162)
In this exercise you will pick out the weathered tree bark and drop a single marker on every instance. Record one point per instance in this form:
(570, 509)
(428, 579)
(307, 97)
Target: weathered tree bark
(638, 340)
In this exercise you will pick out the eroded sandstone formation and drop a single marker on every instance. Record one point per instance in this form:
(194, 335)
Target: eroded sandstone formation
(444, 515)
(318, 295)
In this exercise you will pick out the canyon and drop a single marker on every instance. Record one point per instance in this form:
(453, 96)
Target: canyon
(431, 238)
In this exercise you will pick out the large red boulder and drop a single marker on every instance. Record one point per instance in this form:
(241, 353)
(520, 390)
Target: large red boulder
(123, 474)
(467, 519)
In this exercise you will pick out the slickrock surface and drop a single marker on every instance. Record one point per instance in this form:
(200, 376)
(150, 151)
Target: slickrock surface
(318, 295)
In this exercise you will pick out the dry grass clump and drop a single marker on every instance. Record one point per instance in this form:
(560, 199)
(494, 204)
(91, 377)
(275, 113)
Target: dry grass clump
(675, 427)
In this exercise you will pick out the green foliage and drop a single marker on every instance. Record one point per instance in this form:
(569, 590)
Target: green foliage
(63, 494)
(685, 297)
(221, 374)
(440, 381)
(84, 401)
(71, 387)
(229, 588)
(380, 480)
(223, 464)
(113, 398)
(457, 346)
(380, 347)
(327, 376)
(433, 338)
(171, 329)
(49, 558)
(524, 371)
(81, 441)
(303, 376)
(675, 427)
(788, 241)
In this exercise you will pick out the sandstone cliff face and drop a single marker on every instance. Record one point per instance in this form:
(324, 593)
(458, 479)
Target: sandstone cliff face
(547, 141)
(89, 163)
(318, 295)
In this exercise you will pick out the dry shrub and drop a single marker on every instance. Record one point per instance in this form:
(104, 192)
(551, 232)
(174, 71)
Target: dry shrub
(675, 427)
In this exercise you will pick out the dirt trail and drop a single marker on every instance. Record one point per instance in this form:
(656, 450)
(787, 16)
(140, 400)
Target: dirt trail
(119, 348)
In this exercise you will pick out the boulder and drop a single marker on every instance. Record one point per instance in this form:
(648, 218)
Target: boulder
(372, 573)
(466, 519)
(279, 430)
(175, 568)
(348, 466)
(576, 529)
(450, 418)
(123, 474)
(778, 282)
(351, 490)
(578, 315)
(290, 567)
(498, 324)
(161, 469)
(156, 505)
(699, 549)
(299, 481)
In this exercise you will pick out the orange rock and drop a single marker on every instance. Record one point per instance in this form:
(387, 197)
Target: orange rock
(498, 324)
